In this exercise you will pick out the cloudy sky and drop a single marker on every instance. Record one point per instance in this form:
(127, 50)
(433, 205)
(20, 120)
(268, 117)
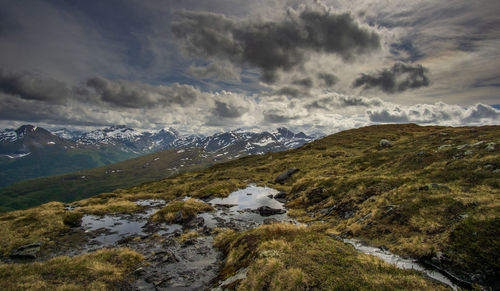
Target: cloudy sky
(213, 65)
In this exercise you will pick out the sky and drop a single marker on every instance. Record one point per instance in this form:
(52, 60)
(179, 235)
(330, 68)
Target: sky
(216, 65)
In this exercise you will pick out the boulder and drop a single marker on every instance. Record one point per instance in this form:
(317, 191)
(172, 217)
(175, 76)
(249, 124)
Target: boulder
(285, 175)
(384, 143)
(491, 146)
(29, 251)
(268, 211)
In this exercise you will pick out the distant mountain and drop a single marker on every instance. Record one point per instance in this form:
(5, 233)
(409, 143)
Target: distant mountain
(30, 151)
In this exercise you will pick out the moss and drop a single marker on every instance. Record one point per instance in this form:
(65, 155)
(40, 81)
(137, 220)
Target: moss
(101, 270)
(289, 257)
(181, 211)
(73, 219)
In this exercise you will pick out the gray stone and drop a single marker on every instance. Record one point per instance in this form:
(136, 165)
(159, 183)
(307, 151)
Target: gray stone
(384, 143)
(268, 211)
(285, 175)
(491, 146)
(29, 251)
(445, 146)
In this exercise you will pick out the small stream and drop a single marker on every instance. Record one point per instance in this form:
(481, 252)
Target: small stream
(400, 262)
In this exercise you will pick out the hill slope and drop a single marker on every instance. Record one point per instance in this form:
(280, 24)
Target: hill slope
(432, 193)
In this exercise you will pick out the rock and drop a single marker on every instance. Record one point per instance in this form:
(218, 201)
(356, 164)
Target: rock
(468, 153)
(434, 186)
(170, 258)
(285, 175)
(270, 196)
(29, 251)
(316, 195)
(139, 271)
(489, 167)
(445, 146)
(268, 211)
(491, 146)
(195, 222)
(477, 144)
(179, 218)
(496, 171)
(281, 197)
(384, 143)
(461, 147)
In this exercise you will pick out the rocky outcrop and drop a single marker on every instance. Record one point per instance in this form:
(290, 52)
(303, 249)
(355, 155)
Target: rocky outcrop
(268, 211)
(285, 175)
(29, 251)
(384, 143)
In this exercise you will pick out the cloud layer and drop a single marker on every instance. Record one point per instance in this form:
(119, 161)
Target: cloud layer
(399, 78)
(274, 45)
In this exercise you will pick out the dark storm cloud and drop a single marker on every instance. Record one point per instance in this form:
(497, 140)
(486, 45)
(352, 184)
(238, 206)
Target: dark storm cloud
(131, 94)
(328, 79)
(306, 82)
(31, 86)
(339, 102)
(227, 110)
(400, 77)
(272, 46)
(288, 91)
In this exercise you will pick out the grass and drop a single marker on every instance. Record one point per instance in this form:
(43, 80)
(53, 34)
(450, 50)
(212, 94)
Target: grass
(86, 183)
(181, 211)
(40, 224)
(101, 270)
(289, 257)
(360, 189)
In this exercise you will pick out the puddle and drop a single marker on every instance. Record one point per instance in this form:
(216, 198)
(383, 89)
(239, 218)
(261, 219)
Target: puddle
(400, 262)
(107, 230)
(239, 210)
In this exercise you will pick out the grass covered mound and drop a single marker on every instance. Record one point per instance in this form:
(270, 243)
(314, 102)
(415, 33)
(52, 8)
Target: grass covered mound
(289, 257)
(181, 211)
(101, 270)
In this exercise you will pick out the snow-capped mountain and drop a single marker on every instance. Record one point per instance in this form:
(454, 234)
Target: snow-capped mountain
(233, 141)
(68, 134)
(20, 142)
(126, 139)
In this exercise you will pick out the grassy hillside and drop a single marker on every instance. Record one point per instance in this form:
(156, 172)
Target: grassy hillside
(86, 183)
(47, 162)
(434, 194)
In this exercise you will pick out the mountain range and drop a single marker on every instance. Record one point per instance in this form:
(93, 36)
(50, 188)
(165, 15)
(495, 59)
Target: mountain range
(30, 151)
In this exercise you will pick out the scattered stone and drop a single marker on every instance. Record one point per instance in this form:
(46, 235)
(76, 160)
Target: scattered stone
(270, 196)
(326, 211)
(468, 153)
(249, 194)
(29, 251)
(464, 216)
(268, 211)
(491, 146)
(496, 171)
(445, 146)
(139, 271)
(434, 186)
(285, 175)
(384, 143)
(489, 167)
